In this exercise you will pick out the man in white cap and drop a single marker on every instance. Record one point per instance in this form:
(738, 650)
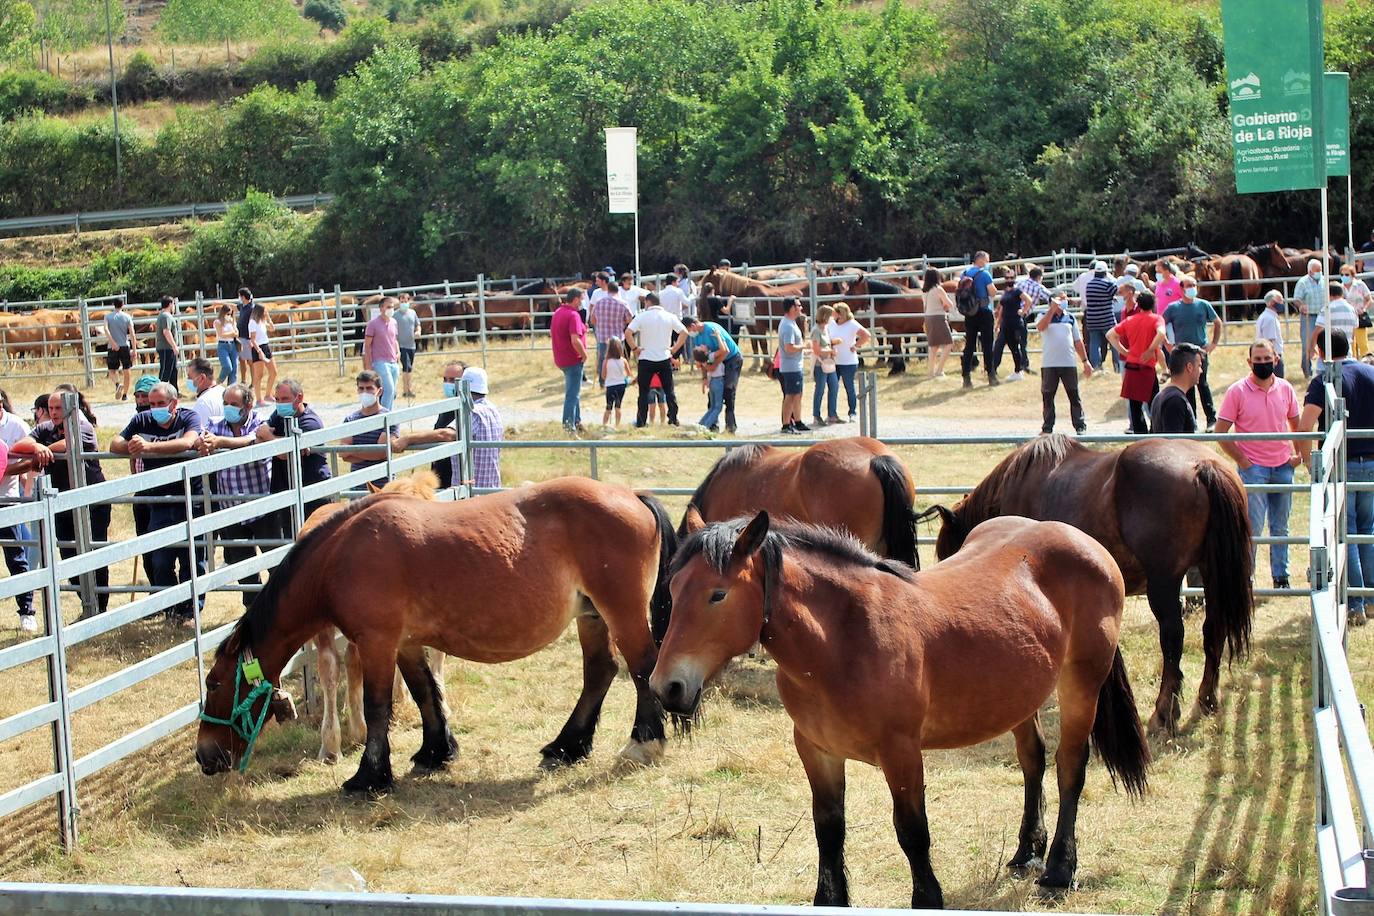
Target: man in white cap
(486, 427)
(1310, 295)
(1099, 316)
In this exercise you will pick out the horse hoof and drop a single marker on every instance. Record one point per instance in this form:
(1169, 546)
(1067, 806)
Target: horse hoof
(642, 753)
(1025, 868)
(555, 757)
(435, 758)
(369, 783)
(1056, 882)
(328, 757)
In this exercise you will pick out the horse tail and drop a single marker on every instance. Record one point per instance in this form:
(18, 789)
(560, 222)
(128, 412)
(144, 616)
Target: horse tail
(1117, 731)
(661, 602)
(1226, 560)
(899, 521)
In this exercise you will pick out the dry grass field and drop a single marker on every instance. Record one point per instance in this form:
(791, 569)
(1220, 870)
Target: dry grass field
(1225, 828)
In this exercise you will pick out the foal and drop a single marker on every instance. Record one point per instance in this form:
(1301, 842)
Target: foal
(877, 662)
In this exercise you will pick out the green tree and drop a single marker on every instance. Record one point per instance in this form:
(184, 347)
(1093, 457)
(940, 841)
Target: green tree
(67, 25)
(229, 20)
(17, 23)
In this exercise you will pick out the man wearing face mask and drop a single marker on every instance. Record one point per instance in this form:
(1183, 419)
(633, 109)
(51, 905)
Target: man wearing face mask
(444, 430)
(291, 405)
(158, 437)
(1310, 294)
(200, 382)
(238, 428)
(1263, 403)
(369, 405)
(407, 327)
(487, 426)
(382, 351)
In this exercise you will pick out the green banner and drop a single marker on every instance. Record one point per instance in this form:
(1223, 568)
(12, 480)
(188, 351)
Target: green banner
(1336, 102)
(1274, 80)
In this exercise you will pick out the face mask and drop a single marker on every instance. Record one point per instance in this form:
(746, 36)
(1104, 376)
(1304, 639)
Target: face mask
(405, 306)
(286, 410)
(1188, 292)
(1346, 280)
(386, 313)
(367, 399)
(1262, 370)
(191, 385)
(450, 389)
(161, 415)
(233, 414)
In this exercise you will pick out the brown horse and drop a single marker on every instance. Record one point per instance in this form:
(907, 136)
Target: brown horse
(855, 484)
(1229, 267)
(899, 312)
(1271, 260)
(1160, 507)
(879, 663)
(526, 309)
(490, 579)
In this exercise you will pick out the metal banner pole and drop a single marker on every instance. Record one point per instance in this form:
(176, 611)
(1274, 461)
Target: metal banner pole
(637, 274)
(1350, 215)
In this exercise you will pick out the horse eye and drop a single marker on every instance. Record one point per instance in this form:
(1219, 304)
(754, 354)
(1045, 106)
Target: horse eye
(212, 686)
(718, 596)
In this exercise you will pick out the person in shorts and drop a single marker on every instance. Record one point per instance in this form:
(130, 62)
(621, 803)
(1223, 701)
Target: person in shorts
(407, 329)
(120, 346)
(658, 401)
(615, 375)
(791, 352)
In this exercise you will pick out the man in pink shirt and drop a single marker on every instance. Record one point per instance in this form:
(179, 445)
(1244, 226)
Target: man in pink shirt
(382, 351)
(1264, 403)
(568, 334)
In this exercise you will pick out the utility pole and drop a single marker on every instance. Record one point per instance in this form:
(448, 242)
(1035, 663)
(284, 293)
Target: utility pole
(114, 102)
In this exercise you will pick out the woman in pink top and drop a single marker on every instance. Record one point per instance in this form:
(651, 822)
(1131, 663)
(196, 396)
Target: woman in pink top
(1168, 289)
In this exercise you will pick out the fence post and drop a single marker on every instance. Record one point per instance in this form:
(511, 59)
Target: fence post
(873, 404)
(81, 516)
(87, 341)
(338, 326)
(200, 324)
(482, 315)
(811, 286)
(67, 808)
(294, 474)
(863, 403)
(595, 469)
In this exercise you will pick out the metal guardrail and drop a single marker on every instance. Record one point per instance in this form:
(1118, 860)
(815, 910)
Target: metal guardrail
(143, 214)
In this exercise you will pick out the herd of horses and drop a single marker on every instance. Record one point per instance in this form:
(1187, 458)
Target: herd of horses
(811, 554)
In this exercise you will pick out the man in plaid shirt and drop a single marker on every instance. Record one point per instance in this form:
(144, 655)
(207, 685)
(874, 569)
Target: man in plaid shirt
(486, 427)
(609, 316)
(241, 483)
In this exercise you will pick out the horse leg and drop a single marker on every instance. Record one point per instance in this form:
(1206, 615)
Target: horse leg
(354, 733)
(374, 769)
(599, 668)
(905, 774)
(897, 354)
(1078, 690)
(438, 746)
(1030, 753)
(1162, 592)
(1212, 642)
(327, 661)
(437, 666)
(826, 775)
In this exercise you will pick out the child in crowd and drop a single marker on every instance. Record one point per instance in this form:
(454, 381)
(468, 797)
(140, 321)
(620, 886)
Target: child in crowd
(615, 375)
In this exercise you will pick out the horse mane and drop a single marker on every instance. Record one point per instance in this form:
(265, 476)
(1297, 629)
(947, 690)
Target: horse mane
(732, 284)
(735, 458)
(1035, 458)
(420, 485)
(258, 620)
(884, 288)
(533, 288)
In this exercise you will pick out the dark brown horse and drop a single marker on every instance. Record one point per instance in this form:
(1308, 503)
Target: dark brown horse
(855, 484)
(1228, 267)
(1160, 507)
(526, 309)
(898, 310)
(1271, 260)
(879, 663)
(490, 579)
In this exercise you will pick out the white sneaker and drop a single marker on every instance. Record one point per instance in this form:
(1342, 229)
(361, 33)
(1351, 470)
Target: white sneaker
(1015, 377)
(28, 623)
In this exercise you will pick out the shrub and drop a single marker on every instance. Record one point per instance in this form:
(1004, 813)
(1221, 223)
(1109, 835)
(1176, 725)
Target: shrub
(328, 13)
(285, 65)
(143, 80)
(33, 90)
(355, 45)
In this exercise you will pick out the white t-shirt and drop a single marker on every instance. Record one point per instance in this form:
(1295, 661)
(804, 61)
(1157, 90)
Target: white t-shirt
(654, 329)
(847, 333)
(1267, 328)
(631, 297)
(672, 300)
(209, 405)
(12, 429)
(617, 372)
(257, 332)
(1057, 349)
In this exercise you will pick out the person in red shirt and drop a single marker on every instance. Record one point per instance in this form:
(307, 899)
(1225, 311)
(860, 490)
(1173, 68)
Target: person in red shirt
(568, 335)
(1138, 339)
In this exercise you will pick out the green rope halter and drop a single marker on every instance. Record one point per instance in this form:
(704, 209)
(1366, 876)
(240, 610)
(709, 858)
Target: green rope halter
(241, 716)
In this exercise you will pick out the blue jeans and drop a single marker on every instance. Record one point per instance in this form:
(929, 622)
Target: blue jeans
(827, 383)
(168, 566)
(391, 374)
(572, 395)
(17, 562)
(846, 374)
(228, 351)
(1359, 519)
(1098, 348)
(1275, 506)
(1308, 324)
(715, 400)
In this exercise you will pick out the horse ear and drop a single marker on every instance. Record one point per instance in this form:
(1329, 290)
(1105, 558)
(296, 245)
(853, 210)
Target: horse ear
(693, 520)
(750, 539)
(373, 488)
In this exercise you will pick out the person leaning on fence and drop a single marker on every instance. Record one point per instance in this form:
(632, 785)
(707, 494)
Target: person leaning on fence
(1061, 349)
(13, 431)
(725, 351)
(1262, 403)
(486, 427)
(382, 351)
(407, 328)
(1357, 388)
(978, 318)
(121, 348)
(168, 336)
(142, 388)
(237, 428)
(226, 345)
(1343, 318)
(159, 436)
(568, 341)
(656, 336)
(1268, 327)
(445, 425)
(369, 405)
(1194, 321)
(53, 434)
(1138, 340)
(1310, 295)
(291, 405)
(200, 382)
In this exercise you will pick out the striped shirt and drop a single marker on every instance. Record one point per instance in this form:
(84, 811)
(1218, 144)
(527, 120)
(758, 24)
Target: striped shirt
(609, 317)
(371, 437)
(251, 479)
(1098, 314)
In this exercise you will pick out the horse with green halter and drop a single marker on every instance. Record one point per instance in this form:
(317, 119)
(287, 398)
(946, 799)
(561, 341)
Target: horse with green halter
(240, 717)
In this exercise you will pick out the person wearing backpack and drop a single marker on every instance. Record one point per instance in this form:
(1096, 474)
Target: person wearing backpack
(973, 299)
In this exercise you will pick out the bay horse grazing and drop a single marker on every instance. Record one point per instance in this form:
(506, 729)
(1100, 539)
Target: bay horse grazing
(1160, 507)
(1230, 267)
(855, 484)
(490, 579)
(878, 663)
(898, 310)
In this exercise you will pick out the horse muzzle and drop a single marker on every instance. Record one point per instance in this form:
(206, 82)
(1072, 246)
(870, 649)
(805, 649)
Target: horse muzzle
(213, 759)
(678, 692)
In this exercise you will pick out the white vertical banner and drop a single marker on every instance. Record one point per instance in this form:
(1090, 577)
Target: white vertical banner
(622, 169)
